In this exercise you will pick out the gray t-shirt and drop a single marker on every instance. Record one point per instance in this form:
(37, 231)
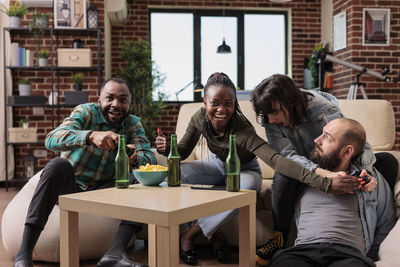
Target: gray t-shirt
(327, 218)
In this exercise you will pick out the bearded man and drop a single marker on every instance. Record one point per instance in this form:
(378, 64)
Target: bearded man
(341, 230)
(87, 140)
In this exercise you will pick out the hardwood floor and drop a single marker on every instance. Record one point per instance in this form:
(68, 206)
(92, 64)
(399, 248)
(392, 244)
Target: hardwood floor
(138, 252)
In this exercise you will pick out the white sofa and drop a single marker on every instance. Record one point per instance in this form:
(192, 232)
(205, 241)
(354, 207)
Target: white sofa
(96, 233)
(378, 119)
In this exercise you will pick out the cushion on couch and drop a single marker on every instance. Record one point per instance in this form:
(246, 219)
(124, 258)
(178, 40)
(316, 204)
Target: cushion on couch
(376, 116)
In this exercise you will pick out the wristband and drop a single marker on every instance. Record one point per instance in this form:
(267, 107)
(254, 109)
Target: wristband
(87, 137)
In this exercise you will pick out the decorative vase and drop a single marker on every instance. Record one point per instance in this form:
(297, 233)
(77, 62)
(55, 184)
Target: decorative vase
(43, 62)
(41, 22)
(25, 89)
(15, 22)
(78, 87)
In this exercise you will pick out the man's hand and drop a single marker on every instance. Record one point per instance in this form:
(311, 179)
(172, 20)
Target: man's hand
(104, 140)
(343, 185)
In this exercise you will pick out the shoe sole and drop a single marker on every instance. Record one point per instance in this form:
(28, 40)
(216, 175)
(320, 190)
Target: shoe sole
(261, 261)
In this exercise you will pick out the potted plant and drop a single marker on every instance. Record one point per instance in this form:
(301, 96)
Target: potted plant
(40, 22)
(78, 81)
(24, 122)
(145, 80)
(15, 12)
(76, 97)
(25, 87)
(43, 56)
(313, 63)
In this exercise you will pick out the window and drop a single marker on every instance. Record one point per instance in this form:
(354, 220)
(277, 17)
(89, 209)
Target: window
(265, 49)
(211, 38)
(184, 45)
(172, 51)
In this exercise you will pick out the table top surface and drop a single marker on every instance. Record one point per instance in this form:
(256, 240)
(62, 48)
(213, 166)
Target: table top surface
(156, 204)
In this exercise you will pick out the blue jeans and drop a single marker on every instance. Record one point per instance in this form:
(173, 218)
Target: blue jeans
(211, 171)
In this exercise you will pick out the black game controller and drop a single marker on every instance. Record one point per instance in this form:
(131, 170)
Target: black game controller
(364, 178)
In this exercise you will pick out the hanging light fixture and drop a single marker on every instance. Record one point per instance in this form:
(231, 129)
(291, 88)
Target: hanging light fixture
(65, 10)
(224, 48)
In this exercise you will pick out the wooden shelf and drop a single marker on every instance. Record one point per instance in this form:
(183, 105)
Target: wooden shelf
(55, 31)
(55, 38)
(50, 68)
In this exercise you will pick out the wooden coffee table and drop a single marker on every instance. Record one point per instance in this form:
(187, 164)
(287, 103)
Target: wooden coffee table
(163, 209)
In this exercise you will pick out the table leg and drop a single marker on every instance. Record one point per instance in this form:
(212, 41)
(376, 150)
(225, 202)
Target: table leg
(152, 249)
(69, 239)
(167, 242)
(247, 236)
(163, 246)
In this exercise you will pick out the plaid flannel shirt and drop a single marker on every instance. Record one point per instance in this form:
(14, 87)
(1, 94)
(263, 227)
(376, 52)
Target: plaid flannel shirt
(91, 164)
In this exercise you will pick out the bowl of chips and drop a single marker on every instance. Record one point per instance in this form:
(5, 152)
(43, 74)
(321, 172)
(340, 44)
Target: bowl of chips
(150, 174)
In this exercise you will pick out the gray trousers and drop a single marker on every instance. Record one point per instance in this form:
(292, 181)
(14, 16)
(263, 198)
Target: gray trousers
(211, 171)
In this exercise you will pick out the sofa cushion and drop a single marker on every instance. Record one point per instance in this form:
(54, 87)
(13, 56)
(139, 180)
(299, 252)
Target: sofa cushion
(376, 116)
(389, 250)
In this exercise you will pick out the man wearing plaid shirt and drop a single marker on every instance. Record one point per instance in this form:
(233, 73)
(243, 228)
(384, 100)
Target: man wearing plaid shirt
(87, 140)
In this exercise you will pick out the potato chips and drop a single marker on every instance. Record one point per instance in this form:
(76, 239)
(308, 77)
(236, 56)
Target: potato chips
(151, 168)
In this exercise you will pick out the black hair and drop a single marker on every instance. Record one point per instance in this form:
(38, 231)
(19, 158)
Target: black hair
(280, 89)
(117, 80)
(221, 79)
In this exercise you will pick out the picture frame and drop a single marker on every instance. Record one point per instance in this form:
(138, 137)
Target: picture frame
(70, 14)
(376, 27)
(339, 31)
(79, 19)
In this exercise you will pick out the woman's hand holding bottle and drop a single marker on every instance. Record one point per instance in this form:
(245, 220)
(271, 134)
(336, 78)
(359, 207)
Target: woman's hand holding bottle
(161, 141)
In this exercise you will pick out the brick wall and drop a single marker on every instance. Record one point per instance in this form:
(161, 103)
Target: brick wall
(306, 30)
(41, 85)
(371, 57)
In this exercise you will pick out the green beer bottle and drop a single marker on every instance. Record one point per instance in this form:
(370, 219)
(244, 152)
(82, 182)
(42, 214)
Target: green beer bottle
(121, 165)
(174, 164)
(232, 167)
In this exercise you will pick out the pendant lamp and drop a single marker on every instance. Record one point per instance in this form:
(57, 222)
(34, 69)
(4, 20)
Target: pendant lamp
(223, 48)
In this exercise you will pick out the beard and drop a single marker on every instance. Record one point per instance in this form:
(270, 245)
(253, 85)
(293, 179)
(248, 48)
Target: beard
(330, 161)
(110, 123)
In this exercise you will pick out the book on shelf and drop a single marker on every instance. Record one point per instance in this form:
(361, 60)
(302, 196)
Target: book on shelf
(23, 56)
(20, 56)
(14, 54)
(29, 57)
(328, 80)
